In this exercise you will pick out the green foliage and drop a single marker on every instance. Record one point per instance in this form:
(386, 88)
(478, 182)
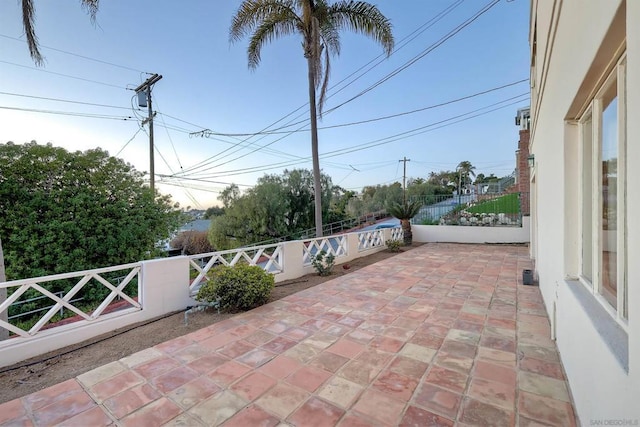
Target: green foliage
(323, 263)
(394, 245)
(405, 210)
(240, 287)
(429, 221)
(213, 212)
(277, 206)
(507, 204)
(62, 211)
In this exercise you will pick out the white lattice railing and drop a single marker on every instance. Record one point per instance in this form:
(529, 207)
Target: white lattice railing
(115, 279)
(370, 239)
(396, 233)
(334, 245)
(269, 257)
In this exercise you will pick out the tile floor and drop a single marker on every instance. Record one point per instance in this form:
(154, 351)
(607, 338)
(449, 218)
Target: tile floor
(441, 335)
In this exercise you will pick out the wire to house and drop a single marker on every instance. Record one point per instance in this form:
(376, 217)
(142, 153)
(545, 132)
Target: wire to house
(382, 141)
(377, 119)
(206, 166)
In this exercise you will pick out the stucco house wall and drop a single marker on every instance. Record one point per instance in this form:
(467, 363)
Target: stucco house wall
(575, 44)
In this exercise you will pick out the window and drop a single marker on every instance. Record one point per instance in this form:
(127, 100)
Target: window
(603, 193)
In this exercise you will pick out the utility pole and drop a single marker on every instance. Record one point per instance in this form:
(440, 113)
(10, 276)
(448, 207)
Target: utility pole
(404, 180)
(145, 89)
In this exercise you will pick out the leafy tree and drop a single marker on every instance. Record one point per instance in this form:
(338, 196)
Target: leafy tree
(229, 195)
(482, 179)
(319, 23)
(213, 212)
(445, 179)
(278, 206)
(62, 211)
(404, 212)
(376, 198)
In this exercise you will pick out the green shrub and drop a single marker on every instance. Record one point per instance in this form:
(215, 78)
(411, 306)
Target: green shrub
(394, 245)
(323, 264)
(239, 287)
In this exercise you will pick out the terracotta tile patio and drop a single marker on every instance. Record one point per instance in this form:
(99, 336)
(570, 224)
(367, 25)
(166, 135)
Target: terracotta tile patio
(443, 334)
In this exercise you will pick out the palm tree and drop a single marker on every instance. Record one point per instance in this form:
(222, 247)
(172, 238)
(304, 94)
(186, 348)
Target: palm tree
(319, 23)
(404, 212)
(465, 169)
(28, 23)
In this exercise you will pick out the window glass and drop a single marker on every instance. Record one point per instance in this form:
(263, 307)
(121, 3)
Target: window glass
(609, 191)
(587, 197)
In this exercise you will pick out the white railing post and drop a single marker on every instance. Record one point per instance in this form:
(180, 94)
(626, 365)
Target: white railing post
(165, 285)
(292, 261)
(353, 242)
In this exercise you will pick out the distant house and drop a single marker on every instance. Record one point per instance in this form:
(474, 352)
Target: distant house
(585, 232)
(196, 225)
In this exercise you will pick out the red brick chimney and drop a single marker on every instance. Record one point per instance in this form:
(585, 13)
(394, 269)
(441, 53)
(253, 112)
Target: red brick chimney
(523, 177)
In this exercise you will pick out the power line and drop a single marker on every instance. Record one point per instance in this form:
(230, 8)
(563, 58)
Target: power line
(386, 140)
(424, 53)
(69, 113)
(62, 75)
(63, 100)
(391, 116)
(127, 143)
(79, 56)
(203, 167)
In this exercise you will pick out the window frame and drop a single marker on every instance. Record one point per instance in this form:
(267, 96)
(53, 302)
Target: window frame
(593, 113)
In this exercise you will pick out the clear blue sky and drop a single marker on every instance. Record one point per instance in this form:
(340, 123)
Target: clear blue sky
(207, 84)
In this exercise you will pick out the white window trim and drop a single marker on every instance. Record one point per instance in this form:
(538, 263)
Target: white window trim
(620, 312)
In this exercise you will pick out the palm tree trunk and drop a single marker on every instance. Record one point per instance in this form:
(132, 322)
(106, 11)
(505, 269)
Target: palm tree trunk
(407, 234)
(4, 333)
(317, 189)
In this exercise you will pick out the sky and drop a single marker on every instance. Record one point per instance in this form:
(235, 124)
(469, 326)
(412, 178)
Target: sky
(257, 120)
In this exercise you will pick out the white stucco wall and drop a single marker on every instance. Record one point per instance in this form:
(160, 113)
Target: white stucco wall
(601, 386)
(472, 234)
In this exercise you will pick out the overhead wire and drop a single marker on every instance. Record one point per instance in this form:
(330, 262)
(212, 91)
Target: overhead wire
(392, 138)
(424, 53)
(207, 167)
(63, 100)
(127, 143)
(63, 75)
(70, 113)
(390, 116)
(78, 55)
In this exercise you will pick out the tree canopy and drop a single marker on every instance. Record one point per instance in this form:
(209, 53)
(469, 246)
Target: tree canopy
(278, 206)
(64, 211)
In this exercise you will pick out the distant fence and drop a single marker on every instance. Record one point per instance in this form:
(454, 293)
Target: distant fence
(473, 210)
